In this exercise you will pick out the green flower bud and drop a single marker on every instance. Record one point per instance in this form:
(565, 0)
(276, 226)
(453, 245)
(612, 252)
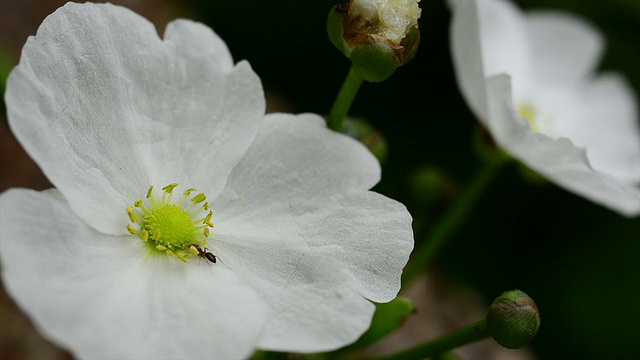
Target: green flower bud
(377, 36)
(513, 319)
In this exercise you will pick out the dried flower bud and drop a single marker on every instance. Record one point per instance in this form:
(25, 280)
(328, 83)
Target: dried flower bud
(376, 35)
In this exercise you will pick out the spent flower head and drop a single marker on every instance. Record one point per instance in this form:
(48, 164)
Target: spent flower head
(390, 19)
(377, 36)
(529, 78)
(281, 246)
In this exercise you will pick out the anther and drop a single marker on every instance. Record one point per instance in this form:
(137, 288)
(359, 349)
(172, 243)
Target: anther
(144, 235)
(131, 229)
(132, 215)
(169, 188)
(206, 232)
(198, 198)
(208, 218)
(156, 235)
(161, 248)
(149, 192)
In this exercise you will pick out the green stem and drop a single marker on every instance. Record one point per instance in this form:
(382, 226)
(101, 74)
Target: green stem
(444, 343)
(343, 101)
(450, 221)
(446, 356)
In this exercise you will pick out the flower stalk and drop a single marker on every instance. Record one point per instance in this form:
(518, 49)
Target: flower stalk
(456, 214)
(344, 99)
(436, 347)
(512, 321)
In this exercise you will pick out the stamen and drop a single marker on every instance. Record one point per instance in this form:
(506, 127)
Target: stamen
(199, 198)
(131, 230)
(169, 189)
(168, 227)
(141, 206)
(204, 219)
(132, 215)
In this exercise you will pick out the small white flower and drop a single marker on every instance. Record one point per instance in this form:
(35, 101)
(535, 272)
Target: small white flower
(108, 109)
(530, 80)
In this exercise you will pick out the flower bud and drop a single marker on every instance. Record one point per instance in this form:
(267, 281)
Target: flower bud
(513, 319)
(376, 35)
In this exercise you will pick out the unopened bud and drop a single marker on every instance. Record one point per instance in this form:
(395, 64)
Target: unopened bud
(513, 319)
(376, 35)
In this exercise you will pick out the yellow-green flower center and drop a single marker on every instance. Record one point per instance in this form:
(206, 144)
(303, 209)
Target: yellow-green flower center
(174, 229)
(528, 113)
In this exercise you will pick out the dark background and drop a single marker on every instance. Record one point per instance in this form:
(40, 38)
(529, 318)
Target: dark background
(578, 261)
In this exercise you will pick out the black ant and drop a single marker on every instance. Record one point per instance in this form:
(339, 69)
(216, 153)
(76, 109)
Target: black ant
(204, 253)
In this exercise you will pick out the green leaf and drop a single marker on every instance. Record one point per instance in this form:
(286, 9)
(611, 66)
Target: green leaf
(388, 317)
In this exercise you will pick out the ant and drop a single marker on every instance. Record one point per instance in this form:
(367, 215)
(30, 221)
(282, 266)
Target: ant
(204, 253)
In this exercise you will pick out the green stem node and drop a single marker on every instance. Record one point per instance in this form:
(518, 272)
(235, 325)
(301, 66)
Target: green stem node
(343, 101)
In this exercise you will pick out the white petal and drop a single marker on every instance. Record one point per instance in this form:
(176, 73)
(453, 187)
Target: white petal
(565, 48)
(466, 49)
(106, 108)
(297, 223)
(100, 296)
(297, 156)
(601, 117)
(504, 38)
(314, 262)
(313, 305)
(558, 160)
(490, 35)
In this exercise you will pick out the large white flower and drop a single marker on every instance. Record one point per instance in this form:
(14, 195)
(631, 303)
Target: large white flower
(530, 80)
(107, 109)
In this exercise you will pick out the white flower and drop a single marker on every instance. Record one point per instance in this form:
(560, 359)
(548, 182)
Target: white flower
(107, 109)
(529, 79)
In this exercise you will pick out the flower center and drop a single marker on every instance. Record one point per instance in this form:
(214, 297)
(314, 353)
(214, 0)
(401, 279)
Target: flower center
(528, 113)
(174, 229)
(539, 121)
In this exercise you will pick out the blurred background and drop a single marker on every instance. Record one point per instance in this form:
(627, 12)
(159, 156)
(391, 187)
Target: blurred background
(578, 261)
